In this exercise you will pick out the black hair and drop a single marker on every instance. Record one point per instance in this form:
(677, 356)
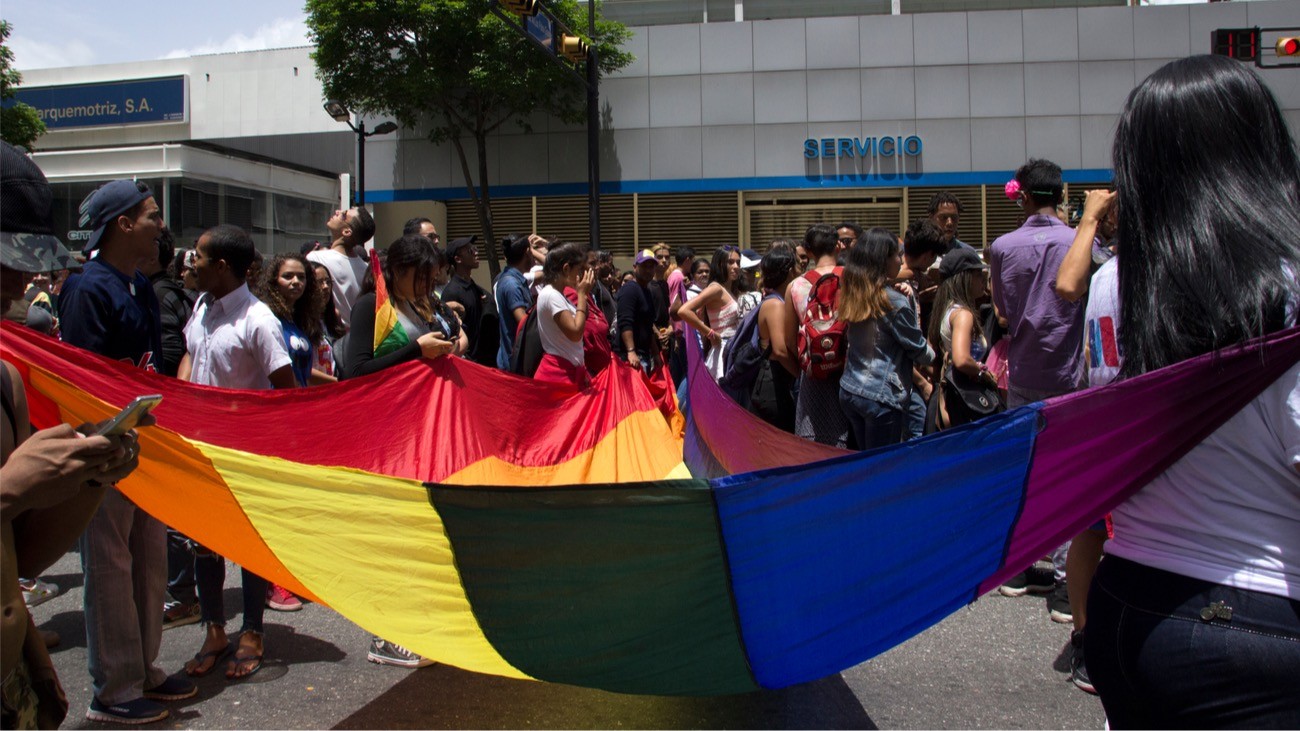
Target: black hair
(785, 244)
(684, 253)
(695, 267)
(855, 228)
(942, 197)
(176, 265)
(1041, 181)
(1208, 183)
(166, 248)
(922, 236)
(863, 294)
(306, 313)
(411, 251)
(413, 225)
(232, 245)
(362, 225)
(333, 324)
(560, 256)
(721, 265)
(820, 240)
(515, 247)
(777, 266)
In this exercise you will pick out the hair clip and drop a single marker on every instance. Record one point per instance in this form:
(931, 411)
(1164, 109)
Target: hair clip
(1012, 189)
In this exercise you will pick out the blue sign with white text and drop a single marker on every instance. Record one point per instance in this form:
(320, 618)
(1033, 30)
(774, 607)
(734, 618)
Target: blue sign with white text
(137, 101)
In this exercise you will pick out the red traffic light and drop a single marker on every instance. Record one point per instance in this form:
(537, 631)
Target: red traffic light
(1288, 47)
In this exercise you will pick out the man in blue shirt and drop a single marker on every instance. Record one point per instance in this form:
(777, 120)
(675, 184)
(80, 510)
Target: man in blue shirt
(511, 293)
(110, 308)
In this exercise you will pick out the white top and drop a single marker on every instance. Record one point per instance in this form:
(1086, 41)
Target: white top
(234, 342)
(1228, 511)
(550, 302)
(978, 347)
(348, 272)
(1101, 322)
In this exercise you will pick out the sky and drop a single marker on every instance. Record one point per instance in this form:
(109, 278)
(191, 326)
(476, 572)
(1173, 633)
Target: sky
(53, 33)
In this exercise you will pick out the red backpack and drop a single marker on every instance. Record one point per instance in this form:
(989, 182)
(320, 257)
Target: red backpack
(821, 333)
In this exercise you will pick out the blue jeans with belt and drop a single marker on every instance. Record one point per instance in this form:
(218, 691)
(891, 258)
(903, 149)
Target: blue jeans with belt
(1168, 651)
(872, 423)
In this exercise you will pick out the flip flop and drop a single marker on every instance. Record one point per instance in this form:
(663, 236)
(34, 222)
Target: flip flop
(243, 656)
(202, 657)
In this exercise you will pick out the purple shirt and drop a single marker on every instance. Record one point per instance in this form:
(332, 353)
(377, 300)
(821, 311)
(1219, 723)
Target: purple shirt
(1045, 331)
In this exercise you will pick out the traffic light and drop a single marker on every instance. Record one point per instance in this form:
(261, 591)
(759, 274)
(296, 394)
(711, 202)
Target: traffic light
(1288, 47)
(573, 48)
(1239, 43)
(522, 7)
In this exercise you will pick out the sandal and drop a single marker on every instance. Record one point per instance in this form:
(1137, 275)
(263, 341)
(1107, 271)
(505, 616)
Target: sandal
(244, 656)
(201, 657)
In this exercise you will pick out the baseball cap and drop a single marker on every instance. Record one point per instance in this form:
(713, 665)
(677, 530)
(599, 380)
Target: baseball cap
(109, 201)
(27, 240)
(749, 259)
(645, 256)
(460, 243)
(960, 260)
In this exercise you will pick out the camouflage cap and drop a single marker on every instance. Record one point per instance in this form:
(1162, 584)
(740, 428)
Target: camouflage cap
(27, 240)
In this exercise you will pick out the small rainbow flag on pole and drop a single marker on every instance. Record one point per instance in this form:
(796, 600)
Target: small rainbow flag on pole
(389, 333)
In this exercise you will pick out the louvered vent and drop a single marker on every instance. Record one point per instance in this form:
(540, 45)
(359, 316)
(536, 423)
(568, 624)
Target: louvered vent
(1003, 216)
(509, 216)
(770, 222)
(702, 221)
(969, 228)
(566, 217)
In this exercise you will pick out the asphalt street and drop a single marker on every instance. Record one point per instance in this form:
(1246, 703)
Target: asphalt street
(1000, 663)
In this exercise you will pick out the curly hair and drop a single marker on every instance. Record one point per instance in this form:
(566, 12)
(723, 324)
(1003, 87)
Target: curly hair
(307, 311)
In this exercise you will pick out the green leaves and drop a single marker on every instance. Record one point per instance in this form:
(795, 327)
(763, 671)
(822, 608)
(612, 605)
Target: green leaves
(20, 125)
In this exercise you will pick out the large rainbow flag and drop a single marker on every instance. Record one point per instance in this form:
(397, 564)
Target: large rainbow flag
(535, 532)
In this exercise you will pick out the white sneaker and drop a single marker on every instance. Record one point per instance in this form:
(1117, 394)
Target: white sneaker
(36, 591)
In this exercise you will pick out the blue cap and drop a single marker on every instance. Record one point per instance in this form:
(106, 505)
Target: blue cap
(103, 206)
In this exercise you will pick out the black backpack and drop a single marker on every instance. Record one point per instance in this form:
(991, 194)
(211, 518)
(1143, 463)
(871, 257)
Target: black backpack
(744, 359)
(527, 353)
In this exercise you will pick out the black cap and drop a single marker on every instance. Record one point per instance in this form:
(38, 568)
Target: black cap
(109, 201)
(27, 240)
(458, 244)
(960, 260)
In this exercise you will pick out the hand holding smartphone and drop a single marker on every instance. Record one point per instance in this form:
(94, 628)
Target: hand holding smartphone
(129, 417)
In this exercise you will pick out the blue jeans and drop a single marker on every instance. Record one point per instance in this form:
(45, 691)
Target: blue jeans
(210, 570)
(916, 408)
(873, 424)
(1161, 657)
(181, 580)
(124, 559)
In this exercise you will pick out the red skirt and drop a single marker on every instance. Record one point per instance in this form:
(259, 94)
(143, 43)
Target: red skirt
(553, 369)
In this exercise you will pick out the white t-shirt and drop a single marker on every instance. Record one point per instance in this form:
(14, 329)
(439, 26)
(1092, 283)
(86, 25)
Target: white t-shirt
(550, 302)
(1102, 325)
(1228, 511)
(348, 273)
(234, 342)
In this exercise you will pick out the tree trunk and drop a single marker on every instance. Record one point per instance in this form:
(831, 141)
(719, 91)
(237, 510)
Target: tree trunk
(485, 205)
(482, 204)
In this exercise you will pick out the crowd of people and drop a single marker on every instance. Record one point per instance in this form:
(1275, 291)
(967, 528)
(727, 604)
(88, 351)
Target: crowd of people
(852, 338)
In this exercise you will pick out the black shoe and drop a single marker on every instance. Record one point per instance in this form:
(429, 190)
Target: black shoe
(387, 653)
(1058, 604)
(1078, 668)
(1033, 580)
(172, 689)
(138, 711)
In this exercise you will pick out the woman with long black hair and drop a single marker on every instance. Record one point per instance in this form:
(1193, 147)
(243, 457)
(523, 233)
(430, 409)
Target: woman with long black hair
(1194, 614)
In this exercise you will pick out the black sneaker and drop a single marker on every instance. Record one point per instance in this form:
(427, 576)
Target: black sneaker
(179, 614)
(1058, 604)
(386, 653)
(1078, 669)
(132, 713)
(172, 689)
(1033, 580)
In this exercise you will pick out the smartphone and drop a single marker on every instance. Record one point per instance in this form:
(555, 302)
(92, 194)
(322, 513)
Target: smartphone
(129, 417)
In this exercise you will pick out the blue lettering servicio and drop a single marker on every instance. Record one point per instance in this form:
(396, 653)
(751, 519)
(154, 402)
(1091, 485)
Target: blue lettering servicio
(837, 147)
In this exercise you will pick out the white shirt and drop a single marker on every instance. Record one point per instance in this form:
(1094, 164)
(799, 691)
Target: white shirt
(234, 342)
(1228, 512)
(347, 272)
(550, 302)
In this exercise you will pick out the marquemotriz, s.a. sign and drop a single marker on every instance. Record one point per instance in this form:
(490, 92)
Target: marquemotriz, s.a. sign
(109, 104)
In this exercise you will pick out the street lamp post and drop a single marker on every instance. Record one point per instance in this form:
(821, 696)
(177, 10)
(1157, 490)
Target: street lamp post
(340, 113)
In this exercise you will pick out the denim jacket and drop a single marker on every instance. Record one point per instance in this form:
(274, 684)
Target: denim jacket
(881, 353)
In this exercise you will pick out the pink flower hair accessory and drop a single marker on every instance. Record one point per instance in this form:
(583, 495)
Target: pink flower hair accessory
(1012, 189)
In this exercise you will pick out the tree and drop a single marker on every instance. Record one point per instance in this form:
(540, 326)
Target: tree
(453, 65)
(20, 125)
